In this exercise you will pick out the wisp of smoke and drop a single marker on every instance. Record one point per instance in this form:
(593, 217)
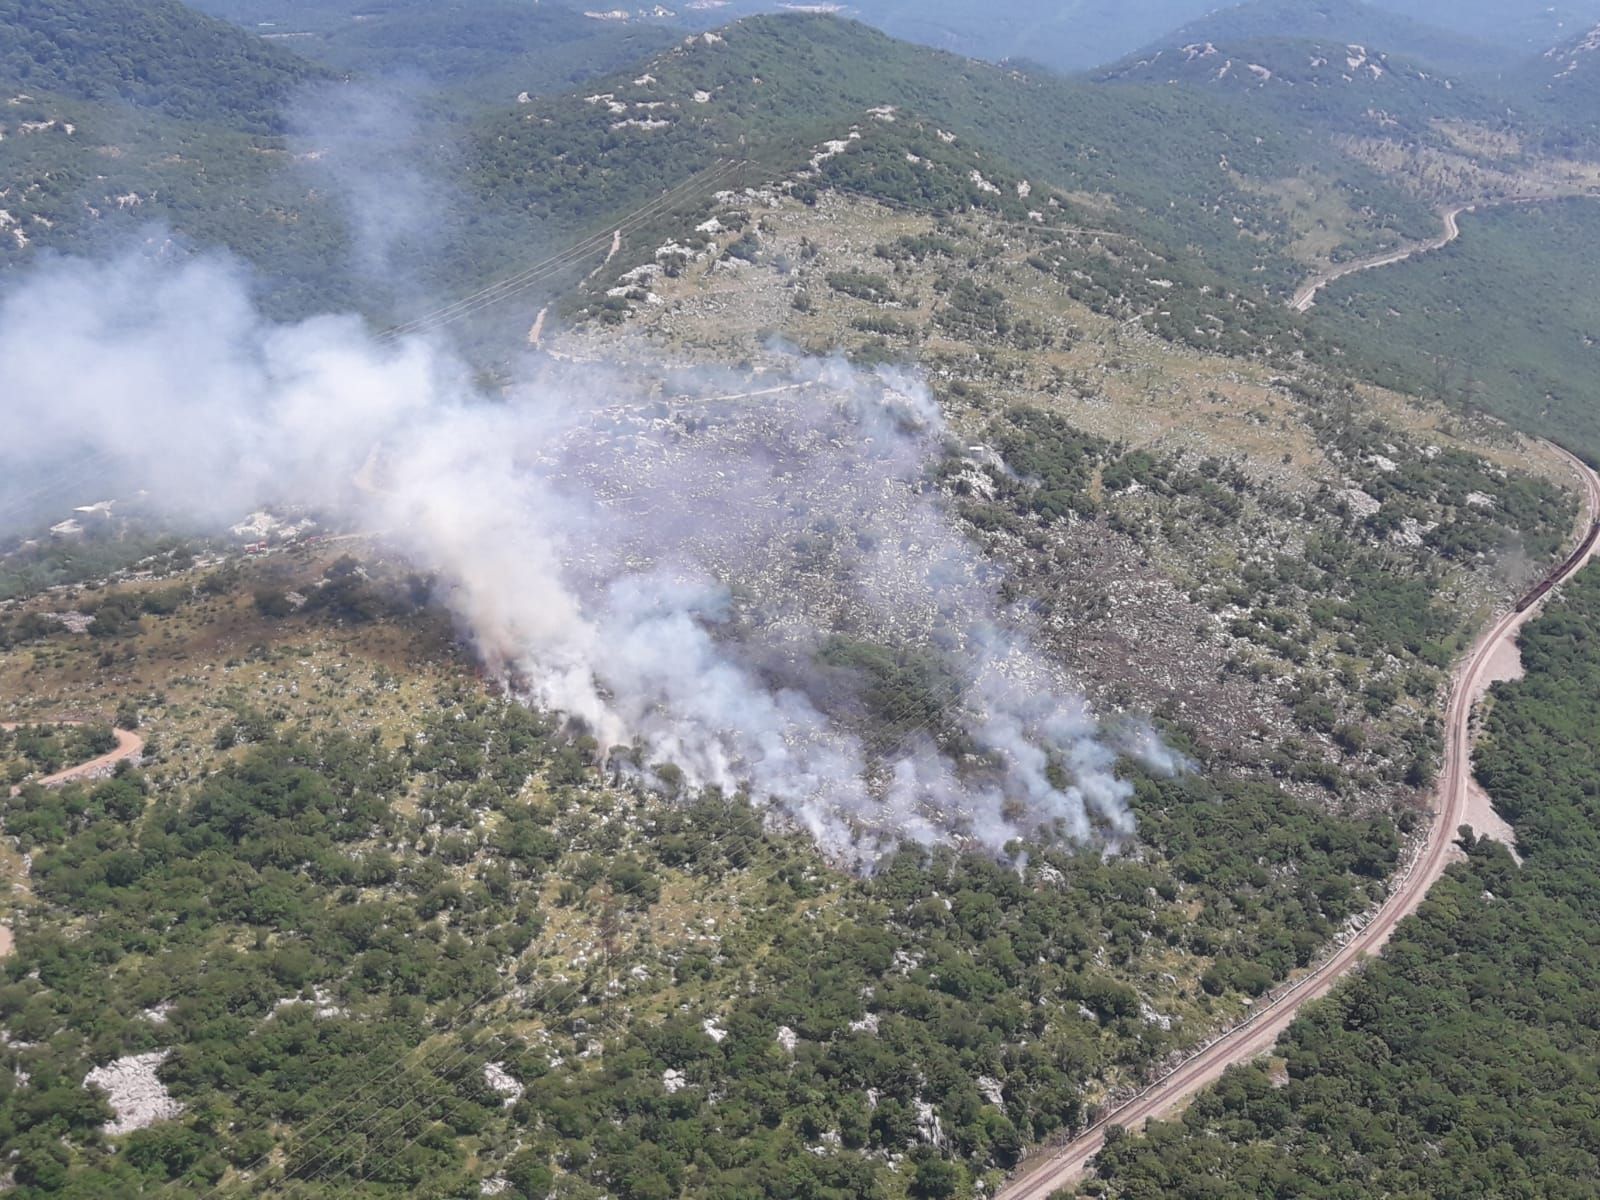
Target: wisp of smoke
(662, 556)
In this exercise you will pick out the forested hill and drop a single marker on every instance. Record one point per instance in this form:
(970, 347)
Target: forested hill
(1345, 23)
(1324, 81)
(479, 50)
(152, 53)
(1523, 25)
(1256, 177)
(1463, 1063)
(1562, 87)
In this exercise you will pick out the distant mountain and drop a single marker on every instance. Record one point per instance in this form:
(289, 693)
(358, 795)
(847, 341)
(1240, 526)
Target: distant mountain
(1562, 87)
(1346, 22)
(1192, 167)
(152, 54)
(491, 50)
(1572, 65)
(1523, 26)
(1063, 35)
(1346, 87)
(1079, 35)
(1252, 160)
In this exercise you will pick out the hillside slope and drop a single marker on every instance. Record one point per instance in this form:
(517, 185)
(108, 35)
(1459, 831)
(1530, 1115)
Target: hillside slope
(1188, 168)
(156, 54)
(1562, 87)
(1342, 87)
(344, 859)
(1345, 23)
(1523, 25)
(484, 50)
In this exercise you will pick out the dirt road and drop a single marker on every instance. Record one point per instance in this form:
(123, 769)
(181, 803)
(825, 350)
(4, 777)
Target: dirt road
(1307, 295)
(128, 745)
(1064, 1165)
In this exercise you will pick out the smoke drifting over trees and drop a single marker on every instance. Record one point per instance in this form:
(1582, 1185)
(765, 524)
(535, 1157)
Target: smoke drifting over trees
(660, 555)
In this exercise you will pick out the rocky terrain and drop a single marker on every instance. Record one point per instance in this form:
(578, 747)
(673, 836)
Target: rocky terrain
(1222, 515)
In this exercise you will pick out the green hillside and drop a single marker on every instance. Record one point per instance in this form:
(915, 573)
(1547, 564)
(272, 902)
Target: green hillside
(485, 50)
(121, 117)
(1318, 82)
(1062, 35)
(1189, 170)
(1561, 90)
(156, 54)
(1504, 319)
(1242, 173)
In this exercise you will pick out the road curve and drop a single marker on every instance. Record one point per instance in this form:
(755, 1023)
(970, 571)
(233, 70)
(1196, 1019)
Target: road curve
(129, 744)
(1063, 1166)
(1307, 295)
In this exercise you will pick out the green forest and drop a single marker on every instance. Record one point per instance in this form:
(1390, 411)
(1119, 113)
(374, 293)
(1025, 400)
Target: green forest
(149, 53)
(1503, 320)
(1465, 1062)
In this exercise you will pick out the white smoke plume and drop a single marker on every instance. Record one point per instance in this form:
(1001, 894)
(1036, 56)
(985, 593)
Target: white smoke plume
(359, 146)
(662, 555)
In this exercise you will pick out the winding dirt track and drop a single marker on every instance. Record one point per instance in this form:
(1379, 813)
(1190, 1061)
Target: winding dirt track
(1063, 1166)
(128, 745)
(1307, 295)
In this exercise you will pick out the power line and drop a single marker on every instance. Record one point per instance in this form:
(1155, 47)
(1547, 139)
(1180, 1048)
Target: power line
(531, 276)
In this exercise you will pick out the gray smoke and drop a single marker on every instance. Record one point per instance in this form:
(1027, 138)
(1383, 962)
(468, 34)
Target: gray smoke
(360, 145)
(664, 555)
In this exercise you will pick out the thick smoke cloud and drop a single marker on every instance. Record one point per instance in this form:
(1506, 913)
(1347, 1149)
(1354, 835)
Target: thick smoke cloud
(666, 556)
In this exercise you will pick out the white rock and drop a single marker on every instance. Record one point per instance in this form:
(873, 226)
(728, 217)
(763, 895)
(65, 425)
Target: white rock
(1151, 1017)
(502, 1083)
(137, 1097)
